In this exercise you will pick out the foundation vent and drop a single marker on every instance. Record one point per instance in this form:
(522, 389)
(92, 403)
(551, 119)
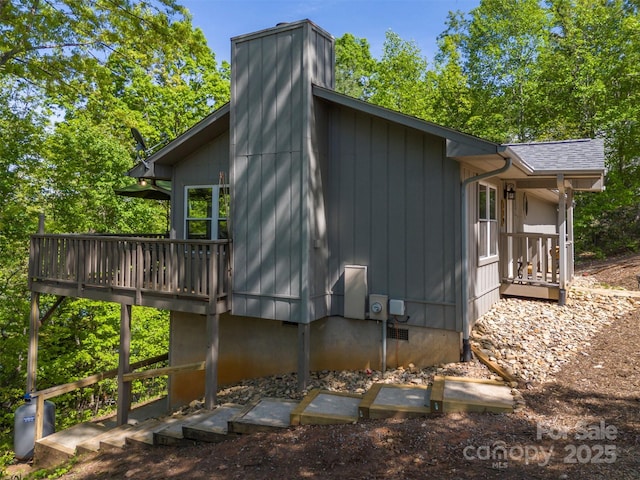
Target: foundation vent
(397, 333)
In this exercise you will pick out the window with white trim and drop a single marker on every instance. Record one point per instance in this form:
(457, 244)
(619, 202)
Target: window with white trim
(206, 212)
(487, 221)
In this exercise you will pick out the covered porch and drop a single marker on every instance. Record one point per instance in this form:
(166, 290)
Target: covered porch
(534, 262)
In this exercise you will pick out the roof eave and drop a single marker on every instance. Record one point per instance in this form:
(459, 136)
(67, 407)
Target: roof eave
(458, 144)
(158, 165)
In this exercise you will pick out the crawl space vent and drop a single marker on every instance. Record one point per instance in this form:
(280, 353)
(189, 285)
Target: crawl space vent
(397, 333)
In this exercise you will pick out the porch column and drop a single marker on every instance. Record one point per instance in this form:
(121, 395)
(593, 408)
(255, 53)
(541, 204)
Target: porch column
(562, 242)
(572, 249)
(211, 362)
(304, 347)
(34, 329)
(124, 366)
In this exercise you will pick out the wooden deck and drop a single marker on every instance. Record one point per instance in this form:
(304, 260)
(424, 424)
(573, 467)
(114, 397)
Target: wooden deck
(184, 275)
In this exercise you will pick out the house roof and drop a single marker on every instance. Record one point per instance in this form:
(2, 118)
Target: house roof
(580, 161)
(567, 156)
(202, 132)
(577, 163)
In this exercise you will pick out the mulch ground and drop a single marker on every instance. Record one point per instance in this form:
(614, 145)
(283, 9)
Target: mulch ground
(584, 424)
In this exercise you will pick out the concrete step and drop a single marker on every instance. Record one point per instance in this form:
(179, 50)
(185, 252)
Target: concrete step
(93, 443)
(395, 401)
(121, 438)
(142, 435)
(476, 395)
(59, 447)
(264, 415)
(171, 434)
(212, 426)
(322, 407)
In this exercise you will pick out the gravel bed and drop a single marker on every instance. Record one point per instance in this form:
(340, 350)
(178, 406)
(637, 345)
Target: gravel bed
(530, 339)
(358, 381)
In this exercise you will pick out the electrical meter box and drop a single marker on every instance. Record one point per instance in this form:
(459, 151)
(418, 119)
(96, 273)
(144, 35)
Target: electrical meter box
(378, 307)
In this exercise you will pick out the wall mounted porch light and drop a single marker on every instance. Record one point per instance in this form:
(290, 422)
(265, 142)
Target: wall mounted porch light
(510, 192)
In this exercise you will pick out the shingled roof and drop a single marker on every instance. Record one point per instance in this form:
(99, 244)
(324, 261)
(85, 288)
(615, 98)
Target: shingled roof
(584, 155)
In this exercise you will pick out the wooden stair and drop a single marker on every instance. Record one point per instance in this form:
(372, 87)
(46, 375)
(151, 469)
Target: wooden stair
(319, 407)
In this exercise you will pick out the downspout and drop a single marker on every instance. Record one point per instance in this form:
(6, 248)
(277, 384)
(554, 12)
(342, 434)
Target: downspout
(466, 345)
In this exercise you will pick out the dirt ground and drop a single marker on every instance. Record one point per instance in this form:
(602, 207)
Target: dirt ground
(585, 424)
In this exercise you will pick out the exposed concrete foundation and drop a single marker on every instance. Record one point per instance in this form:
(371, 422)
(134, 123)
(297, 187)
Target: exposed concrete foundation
(254, 347)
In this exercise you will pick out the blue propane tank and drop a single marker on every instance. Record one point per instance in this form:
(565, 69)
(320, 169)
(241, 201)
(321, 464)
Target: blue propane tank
(24, 433)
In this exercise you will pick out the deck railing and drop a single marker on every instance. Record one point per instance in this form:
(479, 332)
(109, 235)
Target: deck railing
(531, 258)
(134, 266)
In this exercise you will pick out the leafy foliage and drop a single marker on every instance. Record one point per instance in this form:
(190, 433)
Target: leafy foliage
(400, 78)
(354, 66)
(74, 77)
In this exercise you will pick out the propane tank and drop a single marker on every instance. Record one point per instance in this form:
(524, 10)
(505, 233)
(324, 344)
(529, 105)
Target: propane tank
(25, 427)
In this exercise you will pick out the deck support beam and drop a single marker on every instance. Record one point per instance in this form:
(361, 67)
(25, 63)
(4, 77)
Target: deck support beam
(304, 355)
(34, 329)
(124, 365)
(211, 362)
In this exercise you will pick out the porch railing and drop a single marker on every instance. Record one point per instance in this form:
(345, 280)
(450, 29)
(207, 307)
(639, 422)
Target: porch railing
(531, 258)
(133, 266)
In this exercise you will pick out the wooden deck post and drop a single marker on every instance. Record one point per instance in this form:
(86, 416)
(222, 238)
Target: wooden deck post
(39, 417)
(124, 366)
(304, 332)
(571, 246)
(211, 368)
(34, 328)
(213, 332)
(562, 241)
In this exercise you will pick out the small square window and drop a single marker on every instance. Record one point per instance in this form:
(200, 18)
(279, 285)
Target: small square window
(207, 212)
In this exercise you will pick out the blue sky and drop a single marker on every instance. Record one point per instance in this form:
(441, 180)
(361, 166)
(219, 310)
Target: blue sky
(418, 20)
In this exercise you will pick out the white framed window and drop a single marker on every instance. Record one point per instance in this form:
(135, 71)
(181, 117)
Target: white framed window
(487, 221)
(206, 212)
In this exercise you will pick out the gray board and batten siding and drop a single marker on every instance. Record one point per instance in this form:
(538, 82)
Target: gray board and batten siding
(317, 186)
(273, 159)
(392, 201)
(202, 167)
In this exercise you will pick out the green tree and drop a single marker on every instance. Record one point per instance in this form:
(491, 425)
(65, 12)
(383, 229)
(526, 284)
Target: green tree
(451, 102)
(499, 43)
(399, 81)
(592, 67)
(354, 66)
(75, 77)
(53, 45)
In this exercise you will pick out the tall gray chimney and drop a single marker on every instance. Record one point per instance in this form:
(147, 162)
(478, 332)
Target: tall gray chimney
(274, 164)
